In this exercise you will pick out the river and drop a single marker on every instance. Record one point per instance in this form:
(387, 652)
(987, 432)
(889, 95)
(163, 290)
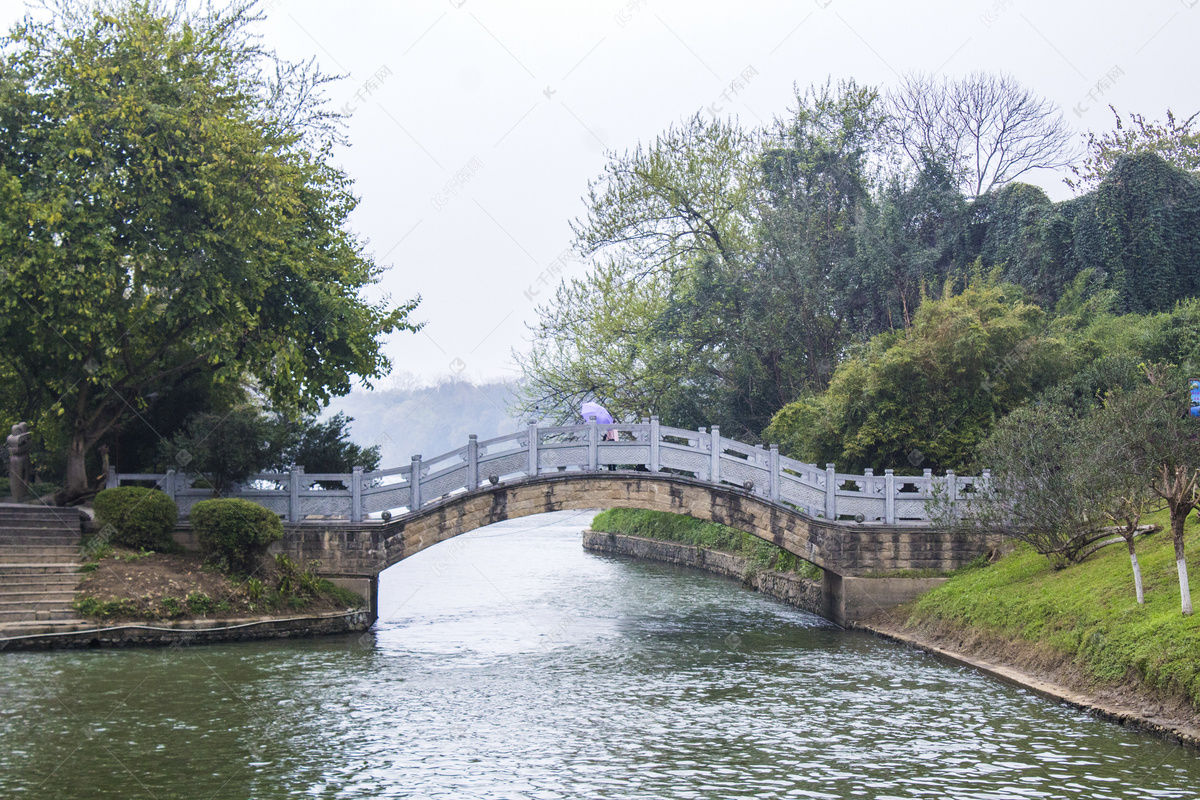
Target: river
(511, 663)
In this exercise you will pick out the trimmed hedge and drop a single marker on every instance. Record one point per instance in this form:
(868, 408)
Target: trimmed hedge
(140, 517)
(235, 534)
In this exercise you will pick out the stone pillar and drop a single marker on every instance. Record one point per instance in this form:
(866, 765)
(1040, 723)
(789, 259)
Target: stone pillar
(773, 491)
(654, 436)
(830, 492)
(356, 514)
(593, 445)
(414, 483)
(294, 494)
(472, 463)
(533, 449)
(714, 473)
(889, 497)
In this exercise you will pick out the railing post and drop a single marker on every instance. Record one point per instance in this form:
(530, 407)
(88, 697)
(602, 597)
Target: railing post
(714, 473)
(773, 465)
(414, 483)
(472, 463)
(356, 514)
(294, 494)
(889, 497)
(654, 443)
(533, 448)
(168, 484)
(113, 481)
(952, 492)
(593, 445)
(830, 492)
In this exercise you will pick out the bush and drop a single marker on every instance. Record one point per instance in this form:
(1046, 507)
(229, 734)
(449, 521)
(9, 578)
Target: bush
(141, 518)
(235, 534)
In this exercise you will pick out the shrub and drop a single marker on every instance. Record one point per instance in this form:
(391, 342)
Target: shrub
(235, 534)
(140, 517)
(199, 603)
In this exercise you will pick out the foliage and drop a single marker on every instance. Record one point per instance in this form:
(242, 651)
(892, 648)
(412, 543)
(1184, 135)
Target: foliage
(987, 127)
(1140, 227)
(1042, 490)
(235, 534)
(652, 213)
(199, 604)
(1085, 613)
(1176, 141)
(326, 447)
(227, 448)
(297, 585)
(1152, 426)
(166, 213)
(142, 518)
(928, 397)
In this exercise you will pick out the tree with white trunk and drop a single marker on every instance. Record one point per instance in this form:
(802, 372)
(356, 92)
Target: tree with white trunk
(1151, 424)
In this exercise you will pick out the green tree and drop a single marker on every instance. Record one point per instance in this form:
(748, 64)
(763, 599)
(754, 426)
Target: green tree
(1177, 141)
(166, 211)
(1153, 426)
(928, 396)
(651, 216)
(229, 447)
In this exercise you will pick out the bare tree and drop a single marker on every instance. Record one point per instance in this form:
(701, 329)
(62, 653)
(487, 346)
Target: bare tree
(988, 128)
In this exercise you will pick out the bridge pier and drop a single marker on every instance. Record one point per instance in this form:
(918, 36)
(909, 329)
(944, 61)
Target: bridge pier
(850, 599)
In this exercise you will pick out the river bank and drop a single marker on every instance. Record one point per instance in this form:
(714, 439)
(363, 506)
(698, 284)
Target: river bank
(85, 634)
(1038, 669)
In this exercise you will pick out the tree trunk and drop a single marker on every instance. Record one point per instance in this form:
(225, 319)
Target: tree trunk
(1137, 573)
(77, 477)
(1178, 517)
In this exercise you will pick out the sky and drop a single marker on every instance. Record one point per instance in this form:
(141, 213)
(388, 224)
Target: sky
(474, 127)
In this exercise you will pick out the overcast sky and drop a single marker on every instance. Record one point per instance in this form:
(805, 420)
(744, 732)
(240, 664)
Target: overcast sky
(516, 103)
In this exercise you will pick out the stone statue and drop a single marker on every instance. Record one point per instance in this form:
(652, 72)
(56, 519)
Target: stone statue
(20, 473)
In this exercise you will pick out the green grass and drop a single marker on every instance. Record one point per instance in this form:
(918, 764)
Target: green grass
(1088, 612)
(687, 530)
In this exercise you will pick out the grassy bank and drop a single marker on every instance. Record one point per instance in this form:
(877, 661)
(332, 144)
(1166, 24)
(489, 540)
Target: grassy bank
(1086, 613)
(686, 530)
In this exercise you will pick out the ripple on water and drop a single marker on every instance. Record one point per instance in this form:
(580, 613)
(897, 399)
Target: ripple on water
(522, 666)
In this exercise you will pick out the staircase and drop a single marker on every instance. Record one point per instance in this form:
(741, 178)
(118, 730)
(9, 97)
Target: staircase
(39, 562)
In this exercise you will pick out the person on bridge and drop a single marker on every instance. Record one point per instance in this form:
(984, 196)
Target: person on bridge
(594, 412)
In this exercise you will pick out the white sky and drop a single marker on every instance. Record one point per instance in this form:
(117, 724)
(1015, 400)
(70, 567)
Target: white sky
(532, 93)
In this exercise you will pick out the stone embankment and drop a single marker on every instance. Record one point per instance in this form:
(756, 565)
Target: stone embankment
(786, 586)
(81, 635)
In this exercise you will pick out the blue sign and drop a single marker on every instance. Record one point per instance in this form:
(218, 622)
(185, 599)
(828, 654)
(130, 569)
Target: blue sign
(1195, 388)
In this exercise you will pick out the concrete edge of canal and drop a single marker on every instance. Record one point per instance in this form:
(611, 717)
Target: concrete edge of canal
(805, 594)
(1122, 715)
(77, 635)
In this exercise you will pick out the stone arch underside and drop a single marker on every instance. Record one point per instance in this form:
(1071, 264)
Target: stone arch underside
(844, 549)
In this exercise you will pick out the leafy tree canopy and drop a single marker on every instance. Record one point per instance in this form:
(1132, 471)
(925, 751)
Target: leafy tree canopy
(168, 209)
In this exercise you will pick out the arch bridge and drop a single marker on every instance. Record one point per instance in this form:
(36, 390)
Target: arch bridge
(858, 529)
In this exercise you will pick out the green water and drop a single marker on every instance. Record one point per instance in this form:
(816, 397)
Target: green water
(511, 663)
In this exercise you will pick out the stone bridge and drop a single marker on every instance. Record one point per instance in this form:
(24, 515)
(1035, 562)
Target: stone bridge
(858, 529)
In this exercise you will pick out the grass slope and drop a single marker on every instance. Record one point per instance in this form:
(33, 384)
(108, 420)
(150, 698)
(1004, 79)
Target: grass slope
(687, 530)
(1087, 612)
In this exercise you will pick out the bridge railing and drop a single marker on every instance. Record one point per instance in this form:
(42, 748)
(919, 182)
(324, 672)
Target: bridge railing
(647, 446)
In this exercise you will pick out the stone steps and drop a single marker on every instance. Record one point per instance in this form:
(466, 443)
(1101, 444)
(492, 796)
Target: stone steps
(50, 580)
(37, 615)
(8, 596)
(46, 568)
(40, 555)
(39, 562)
